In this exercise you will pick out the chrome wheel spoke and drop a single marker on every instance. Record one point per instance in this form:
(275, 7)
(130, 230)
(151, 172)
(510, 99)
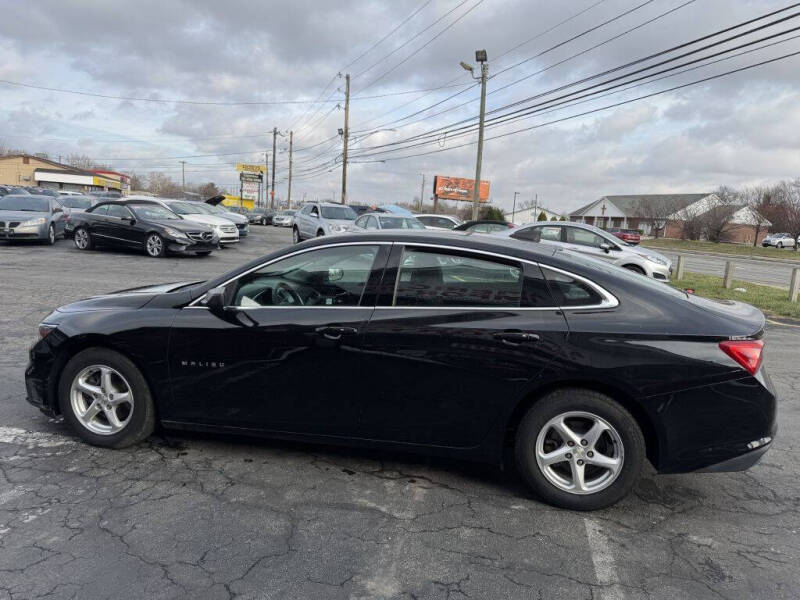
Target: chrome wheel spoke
(556, 456)
(578, 476)
(565, 432)
(606, 462)
(91, 412)
(594, 434)
(105, 381)
(88, 388)
(113, 419)
(118, 399)
(101, 399)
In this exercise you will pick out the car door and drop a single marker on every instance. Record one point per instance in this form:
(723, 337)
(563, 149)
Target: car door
(285, 353)
(57, 212)
(455, 340)
(118, 224)
(588, 242)
(99, 226)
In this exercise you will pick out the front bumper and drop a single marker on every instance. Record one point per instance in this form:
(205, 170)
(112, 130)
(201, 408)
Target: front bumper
(244, 229)
(174, 246)
(37, 232)
(738, 463)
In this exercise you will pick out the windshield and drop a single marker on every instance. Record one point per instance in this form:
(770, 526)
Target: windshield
(400, 223)
(24, 203)
(287, 213)
(75, 202)
(342, 213)
(185, 208)
(153, 212)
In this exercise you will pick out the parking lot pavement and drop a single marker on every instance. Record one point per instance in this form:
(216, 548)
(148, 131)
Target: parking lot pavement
(767, 272)
(191, 516)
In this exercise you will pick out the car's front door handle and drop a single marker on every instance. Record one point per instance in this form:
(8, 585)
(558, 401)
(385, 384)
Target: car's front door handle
(335, 332)
(516, 337)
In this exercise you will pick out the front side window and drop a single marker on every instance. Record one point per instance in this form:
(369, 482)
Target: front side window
(341, 213)
(584, 237)
(325, 277)
(100, 209)
(314, 212)
(154, 212)
(115, 210)
(442, 279)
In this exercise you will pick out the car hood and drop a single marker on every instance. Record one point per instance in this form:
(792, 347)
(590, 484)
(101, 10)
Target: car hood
(21, 215)
(131, 298)
(647, 252)
(350, 225)
(235, 217)
(183, 225)
(207, 219)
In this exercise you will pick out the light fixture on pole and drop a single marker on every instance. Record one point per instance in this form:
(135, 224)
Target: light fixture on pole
(482, 58)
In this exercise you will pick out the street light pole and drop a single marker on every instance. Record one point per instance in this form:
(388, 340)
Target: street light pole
(274, 140)
(514, 206)
(289, 193)
(422, 192)
(183, 177)
(345, 135)
(480, 57)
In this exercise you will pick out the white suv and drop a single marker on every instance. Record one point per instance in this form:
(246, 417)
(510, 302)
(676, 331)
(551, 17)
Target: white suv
(322, 218)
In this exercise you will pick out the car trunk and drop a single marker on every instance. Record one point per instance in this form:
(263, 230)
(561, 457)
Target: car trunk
(737, 318)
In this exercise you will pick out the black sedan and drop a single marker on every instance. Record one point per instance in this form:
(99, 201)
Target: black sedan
(461, 345)
(142, 225)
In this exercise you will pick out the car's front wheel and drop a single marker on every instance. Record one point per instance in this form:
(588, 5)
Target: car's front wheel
(154, 245)
(579, 449)
(780, 245)
(51, 235)
(263, 220)
(105, 399)
(82, 239)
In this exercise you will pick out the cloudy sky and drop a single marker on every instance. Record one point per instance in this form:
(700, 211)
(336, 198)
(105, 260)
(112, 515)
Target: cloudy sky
(208, 80)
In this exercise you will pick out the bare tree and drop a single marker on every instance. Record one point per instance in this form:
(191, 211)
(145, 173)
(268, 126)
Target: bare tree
(656, 212)
(717, 220)
(754, 198)
(208, 190)
(162, 185)
(137, 182)
(790, 196)
(80, 161)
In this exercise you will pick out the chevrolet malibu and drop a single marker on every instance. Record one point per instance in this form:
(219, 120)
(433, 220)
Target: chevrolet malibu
(471, 346)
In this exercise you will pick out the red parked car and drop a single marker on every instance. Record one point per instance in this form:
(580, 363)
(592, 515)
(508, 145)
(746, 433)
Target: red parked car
(626, 235)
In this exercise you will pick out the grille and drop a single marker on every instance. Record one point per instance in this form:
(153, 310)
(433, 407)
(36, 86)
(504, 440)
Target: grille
(10, 224)
(228, 228)
(200, 236)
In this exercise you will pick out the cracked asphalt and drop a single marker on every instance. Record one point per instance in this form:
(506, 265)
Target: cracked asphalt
(193, 516)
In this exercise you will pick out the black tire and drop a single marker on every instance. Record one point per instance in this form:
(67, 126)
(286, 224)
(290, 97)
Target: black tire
(51, 235)
(205, 253)
(142, 418)
(569, 400)
(636, 269)
(780, 245)
(154, 246)
(296, 239)
(263, 220)
(320, 233)
(83, 239)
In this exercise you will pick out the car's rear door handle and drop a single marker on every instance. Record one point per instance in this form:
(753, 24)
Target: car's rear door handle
(516, 337)
(335, 332)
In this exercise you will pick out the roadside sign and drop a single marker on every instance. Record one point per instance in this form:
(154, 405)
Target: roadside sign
(251, 168)
(459, 188)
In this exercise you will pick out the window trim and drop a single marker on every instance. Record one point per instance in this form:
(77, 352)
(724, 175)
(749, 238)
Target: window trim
(609, 300)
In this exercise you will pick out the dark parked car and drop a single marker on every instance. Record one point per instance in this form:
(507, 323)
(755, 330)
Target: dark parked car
(631, 236)
(262, 216)
(483, 226)
(467, 346)
(75, 204)
(5, 190)
(31, 217)
(142, 225)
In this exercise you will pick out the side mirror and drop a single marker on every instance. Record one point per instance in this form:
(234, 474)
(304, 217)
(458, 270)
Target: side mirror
(214, 300)
(57, 210)
(605, 247)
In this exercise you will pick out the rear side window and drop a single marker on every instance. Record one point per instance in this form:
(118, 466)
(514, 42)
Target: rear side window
(570, 291)
(537, 234)
(115, 210)
(102, 209)
(443, 279)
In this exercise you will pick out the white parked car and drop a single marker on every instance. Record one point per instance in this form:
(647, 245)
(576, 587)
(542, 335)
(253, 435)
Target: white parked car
(779, 240)
(226, 230)
(284, 218)
(316, 219)
(439, 222)
(593, 241)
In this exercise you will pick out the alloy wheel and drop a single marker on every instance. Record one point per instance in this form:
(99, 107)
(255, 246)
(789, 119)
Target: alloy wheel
(154, 245)
(579, 452)
(82, 239)
(101, 399)
(51, 235)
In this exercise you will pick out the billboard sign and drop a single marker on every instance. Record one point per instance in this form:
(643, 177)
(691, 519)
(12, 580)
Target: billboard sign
(251, 168)
(458, 188)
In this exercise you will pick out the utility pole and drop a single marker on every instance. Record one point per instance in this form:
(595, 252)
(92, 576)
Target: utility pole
(480, 56)
(183, 177)
(514, 206)
(422, 192)
(289, 193)
(274, 139)
(266, 177)
(345, 136)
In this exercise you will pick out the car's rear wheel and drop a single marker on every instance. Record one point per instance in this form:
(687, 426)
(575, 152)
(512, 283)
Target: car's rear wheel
(83, 239)
(636, 269)
(51, 235)
(154, 246)
(579, 449)
(296, 235)
(105, 399)
(263, 220)
(780, 244)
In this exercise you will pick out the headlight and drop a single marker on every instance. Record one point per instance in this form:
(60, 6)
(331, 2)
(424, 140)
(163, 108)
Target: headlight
(175, 233)
(45, 329)
(337, 227)
(33, 222)
(656, 259)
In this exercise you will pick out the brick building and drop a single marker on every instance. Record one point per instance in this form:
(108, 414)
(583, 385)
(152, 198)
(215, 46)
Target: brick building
(645, 212)
(31, 170)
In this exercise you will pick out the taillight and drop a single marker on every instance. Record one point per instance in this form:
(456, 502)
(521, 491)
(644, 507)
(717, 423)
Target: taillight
(745, 352)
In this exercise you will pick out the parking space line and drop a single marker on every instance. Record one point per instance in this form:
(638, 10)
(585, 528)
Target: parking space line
(605, 568)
